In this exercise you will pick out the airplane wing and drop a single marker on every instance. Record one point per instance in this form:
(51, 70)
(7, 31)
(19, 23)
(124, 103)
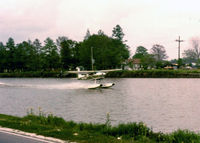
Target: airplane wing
(88, 72)
(81, 72)
(110, 70)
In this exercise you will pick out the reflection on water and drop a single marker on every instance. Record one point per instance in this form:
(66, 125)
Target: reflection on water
(163, 104)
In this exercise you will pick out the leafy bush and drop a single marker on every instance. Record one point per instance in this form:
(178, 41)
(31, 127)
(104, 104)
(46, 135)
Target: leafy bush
(185, 136)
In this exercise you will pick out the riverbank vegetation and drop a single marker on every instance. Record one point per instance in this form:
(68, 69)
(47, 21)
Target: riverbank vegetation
(52, 126)
(37, 74)
(157, 73)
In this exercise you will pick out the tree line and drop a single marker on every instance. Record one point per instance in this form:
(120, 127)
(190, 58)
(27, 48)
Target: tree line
(67, 54)
(192, 55)
(64, 53)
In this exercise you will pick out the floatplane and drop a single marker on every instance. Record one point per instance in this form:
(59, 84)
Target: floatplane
(95, 75)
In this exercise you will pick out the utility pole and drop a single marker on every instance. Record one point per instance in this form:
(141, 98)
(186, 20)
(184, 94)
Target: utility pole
(179, 45)
(92, 60)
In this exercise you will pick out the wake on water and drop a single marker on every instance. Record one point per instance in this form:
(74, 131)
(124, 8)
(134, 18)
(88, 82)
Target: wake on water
(73, 85)
(4, 84)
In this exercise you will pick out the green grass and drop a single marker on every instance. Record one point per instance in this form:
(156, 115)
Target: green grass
(49, 125)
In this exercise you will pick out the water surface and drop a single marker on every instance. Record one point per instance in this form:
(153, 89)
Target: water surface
(163, 104)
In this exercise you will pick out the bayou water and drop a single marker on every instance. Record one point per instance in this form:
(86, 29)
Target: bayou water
(163, 104)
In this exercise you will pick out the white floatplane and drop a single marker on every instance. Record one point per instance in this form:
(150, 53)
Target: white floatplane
(93, 75)
(96, 75)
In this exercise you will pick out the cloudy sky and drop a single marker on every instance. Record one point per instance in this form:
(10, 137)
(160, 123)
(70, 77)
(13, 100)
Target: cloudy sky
(144, 22)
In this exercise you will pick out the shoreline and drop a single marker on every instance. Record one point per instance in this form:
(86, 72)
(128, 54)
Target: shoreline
(160, 73)
(157, 73)
(37, 74)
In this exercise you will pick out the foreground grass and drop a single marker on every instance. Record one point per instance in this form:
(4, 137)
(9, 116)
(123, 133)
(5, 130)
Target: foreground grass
(49, 125)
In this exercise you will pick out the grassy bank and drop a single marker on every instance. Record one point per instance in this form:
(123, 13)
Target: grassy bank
(114, 74)
(41, 74)
(49, 125)
(155, 74)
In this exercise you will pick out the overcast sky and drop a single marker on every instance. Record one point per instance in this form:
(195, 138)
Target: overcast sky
(144, 22)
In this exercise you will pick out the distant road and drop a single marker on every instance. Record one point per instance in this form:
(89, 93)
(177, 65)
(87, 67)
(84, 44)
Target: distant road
(10, 137)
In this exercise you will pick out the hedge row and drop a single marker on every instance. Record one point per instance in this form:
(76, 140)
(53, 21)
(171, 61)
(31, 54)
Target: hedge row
(154, 74)
(41, 74)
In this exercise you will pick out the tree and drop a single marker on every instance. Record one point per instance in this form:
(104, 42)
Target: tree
(10, 48)
(196, 47)
(189, 53)
(2, 57)
(59, 40)
(68, 54)
(65, 54)
(107, 52)
(100, 32)
(37, 46)
(159, 52)
(193, 54)
(121, 51)
(180, 62)
(140, 52)
(76, 54)
(22, 56)
(87, 34)
(147, 61)
(26, 57)
(50, 56)
(118, 33)
(34, 50)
